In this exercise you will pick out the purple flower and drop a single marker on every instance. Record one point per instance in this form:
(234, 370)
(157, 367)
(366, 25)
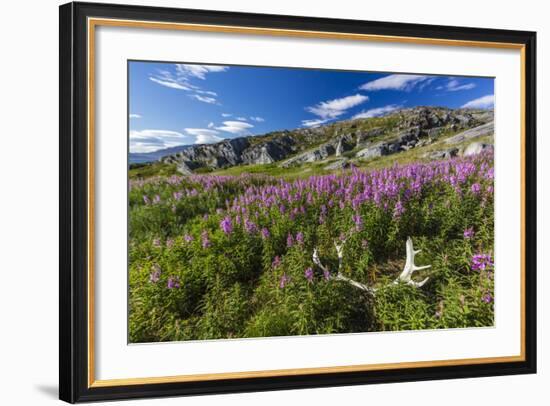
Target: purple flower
(358, 220)
(289, 240)
(146, 200)
(155, 275)
(188, 238)
(487, 298)
(469, 233)
(326, 274)
(226, 225)
(481, 262)
(309, 274)
(276, 262)
(284, 281)
(204, 239)
(265, 233)
(250, 226)
(398, 210)
(169, 243)
(156, 199)
(476, 188)
(300, 238)
(173, 283)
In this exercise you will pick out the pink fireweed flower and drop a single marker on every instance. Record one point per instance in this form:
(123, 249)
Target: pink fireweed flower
(188, 238)
(204, 239)
(250, 226)
(155, 275)
(487, 298)
(300, 238)
(226, 225)
(173, 283)
(265, 233)
(358, 220)
(309, 274)
(398, 210)
(326, 274)
(469, 233)
(481, 262)
(146, 200)
(284, 281)
(276, 262)
(476, 188)
(289, 240)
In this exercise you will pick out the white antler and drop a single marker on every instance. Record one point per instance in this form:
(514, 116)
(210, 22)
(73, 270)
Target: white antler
(410, 267)
(405, 276)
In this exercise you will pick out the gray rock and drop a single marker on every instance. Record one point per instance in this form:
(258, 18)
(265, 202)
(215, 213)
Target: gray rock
(476, 147)
(374, 151)
(338, 164)
(476, 132)
(443, 154)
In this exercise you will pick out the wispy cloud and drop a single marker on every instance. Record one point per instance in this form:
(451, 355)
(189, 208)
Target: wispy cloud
(257, 119)
(334, 108)
(134, 115)
(211, 125)
(153, 140)
(484, 102)
(205, 99)
(241, 118)
(396, 82)
(453, 85)
(181, 77)
(199, 71)
(314, 122)
(204, 135)
(226, 114)
(235, 127)
(377, 112)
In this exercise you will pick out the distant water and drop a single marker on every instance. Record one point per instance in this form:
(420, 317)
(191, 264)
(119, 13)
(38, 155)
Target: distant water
(139, 158)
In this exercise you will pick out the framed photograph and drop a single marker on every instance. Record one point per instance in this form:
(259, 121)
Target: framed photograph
(257, 202)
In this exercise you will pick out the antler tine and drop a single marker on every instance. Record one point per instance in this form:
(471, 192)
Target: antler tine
(410, 267)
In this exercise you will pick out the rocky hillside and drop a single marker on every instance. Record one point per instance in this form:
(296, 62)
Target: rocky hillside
(351, 140)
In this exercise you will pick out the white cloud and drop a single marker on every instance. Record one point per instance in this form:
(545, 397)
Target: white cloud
(211, 125)
(153, 140)
(170, 82)
(334, 108)
(199, 71)
(484, 102)
(257, 119)
(314, 122)
(454, 85)
(133, 115)
(204, 99)
(203, 135)
(396, 82)
(376, 112)
(235, 127)
(241, 118)
(226, 114)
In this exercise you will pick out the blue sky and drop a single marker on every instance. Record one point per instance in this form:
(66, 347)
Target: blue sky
(177, 104)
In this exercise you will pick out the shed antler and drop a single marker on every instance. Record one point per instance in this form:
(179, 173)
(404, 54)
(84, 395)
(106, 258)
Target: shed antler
(404, 277)
(410, 267)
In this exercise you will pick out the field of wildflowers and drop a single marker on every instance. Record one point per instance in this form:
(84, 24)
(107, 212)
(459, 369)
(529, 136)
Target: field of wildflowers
(214, 257)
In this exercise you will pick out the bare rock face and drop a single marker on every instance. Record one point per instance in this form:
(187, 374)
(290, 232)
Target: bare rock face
(476, 132)
(402, 130)
(338, 164)
(475, 148)
(443, 154)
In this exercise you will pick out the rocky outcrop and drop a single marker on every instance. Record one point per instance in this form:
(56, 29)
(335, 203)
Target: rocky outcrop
(338, 164)
(476, 132)
(475, 148)
(400, 131)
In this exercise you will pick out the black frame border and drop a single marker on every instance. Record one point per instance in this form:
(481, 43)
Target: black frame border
(73, 202)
